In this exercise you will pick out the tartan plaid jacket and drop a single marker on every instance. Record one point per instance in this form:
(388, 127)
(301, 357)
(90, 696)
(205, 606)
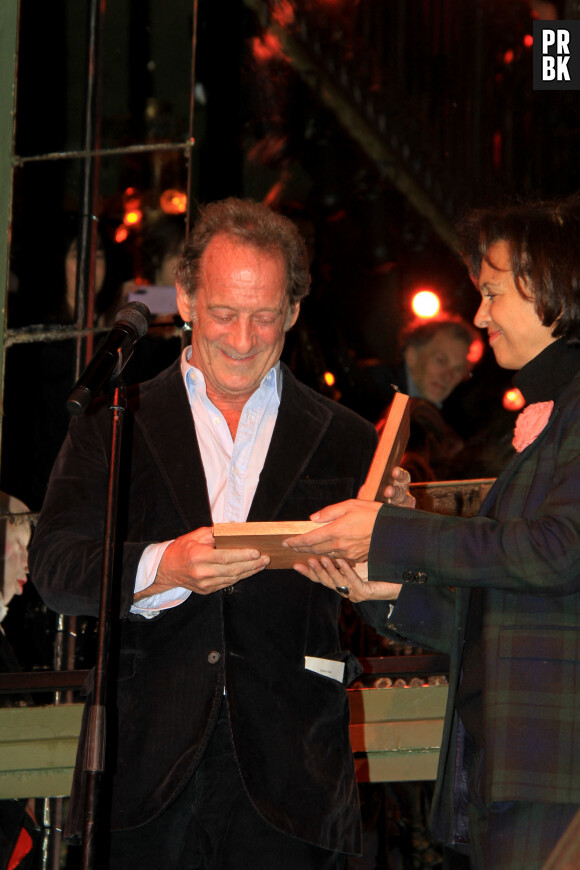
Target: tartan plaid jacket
(523, 550)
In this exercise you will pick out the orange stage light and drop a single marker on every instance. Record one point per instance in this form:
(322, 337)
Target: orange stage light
(121, 234)
(329, 379)
(425, 303)
(513, 400)
(131, 198)
(173, 201)
(132, 218)
(283, 13)
(267, 48)
(475, 351)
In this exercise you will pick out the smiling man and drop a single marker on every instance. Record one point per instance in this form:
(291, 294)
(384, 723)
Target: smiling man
(438, 355)
(232, 732)
(435, 357)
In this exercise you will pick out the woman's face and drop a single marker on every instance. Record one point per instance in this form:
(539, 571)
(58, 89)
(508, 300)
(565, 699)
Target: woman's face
(515, 332)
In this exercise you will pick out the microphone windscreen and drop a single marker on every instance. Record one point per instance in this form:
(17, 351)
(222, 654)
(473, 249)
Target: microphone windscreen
(136, 315)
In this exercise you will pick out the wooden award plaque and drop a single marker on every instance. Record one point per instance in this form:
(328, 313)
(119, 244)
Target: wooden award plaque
(268, 537)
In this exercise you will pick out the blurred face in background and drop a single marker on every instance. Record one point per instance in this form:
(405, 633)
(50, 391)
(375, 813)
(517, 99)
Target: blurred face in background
(438, 366)
(70, 271)
(165, 274)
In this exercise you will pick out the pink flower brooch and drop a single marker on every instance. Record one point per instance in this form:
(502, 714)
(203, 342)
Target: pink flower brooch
(530, 423)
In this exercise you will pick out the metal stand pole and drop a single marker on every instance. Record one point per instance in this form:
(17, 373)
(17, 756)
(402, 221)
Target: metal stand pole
(96, 737)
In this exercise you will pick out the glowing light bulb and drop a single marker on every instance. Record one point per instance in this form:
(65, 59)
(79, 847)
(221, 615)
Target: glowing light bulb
(513, 400)
(425, 303)
(131, 218)
(173, 201)
(121, 234)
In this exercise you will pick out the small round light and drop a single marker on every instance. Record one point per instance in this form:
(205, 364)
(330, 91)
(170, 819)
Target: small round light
(513, 400)
(173, 201)
(121, 234)
(425, 303)
(133, 217)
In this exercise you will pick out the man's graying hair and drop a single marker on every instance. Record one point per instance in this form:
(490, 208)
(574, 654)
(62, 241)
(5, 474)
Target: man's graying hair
(253, 224)
(421, 332)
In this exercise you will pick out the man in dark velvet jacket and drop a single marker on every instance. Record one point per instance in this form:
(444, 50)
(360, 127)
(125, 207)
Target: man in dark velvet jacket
(232, 715)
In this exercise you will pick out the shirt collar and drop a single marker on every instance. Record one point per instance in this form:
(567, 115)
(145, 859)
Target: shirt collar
(194, 378)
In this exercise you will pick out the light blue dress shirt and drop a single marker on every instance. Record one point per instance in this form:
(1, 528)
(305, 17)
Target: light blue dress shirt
(232, 467)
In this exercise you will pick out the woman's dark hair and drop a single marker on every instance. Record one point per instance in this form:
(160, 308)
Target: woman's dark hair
(252, 224)
(544, 242)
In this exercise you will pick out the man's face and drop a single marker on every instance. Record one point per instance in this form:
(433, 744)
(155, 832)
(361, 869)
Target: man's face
(438, 366)
(239, 316)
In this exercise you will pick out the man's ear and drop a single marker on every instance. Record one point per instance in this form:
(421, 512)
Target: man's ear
(292, 316)
(184, 304)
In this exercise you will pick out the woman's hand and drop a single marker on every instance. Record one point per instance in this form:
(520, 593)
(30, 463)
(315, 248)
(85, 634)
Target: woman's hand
(346, 533)
(342, 578)
(398, 493)
(349, 524)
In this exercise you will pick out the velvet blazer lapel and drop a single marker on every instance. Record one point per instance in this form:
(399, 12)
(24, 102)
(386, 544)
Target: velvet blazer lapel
(299, 429)
(167, 427)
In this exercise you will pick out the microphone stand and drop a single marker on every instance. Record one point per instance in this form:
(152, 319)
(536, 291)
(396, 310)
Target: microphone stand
(95, 751)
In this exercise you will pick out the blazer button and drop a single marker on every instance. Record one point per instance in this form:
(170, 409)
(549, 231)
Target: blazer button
(214, 657)
(229, 589)
(420, 577)
(409, 576)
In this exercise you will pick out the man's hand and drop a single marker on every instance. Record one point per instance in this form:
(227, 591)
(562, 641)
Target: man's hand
(346, 535)
(192, 562)
(344, 580)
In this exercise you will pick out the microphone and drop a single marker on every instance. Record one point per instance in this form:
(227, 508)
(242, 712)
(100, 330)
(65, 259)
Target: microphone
(111, 356)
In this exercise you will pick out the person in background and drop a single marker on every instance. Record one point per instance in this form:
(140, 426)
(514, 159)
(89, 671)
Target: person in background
(499, 592)
(19, 833)
(14, 540)
(436, 356)
(159, 252)
(36, 421)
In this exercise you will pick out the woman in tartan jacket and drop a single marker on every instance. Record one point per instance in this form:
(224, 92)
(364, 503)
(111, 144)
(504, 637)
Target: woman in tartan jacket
(499, 592)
